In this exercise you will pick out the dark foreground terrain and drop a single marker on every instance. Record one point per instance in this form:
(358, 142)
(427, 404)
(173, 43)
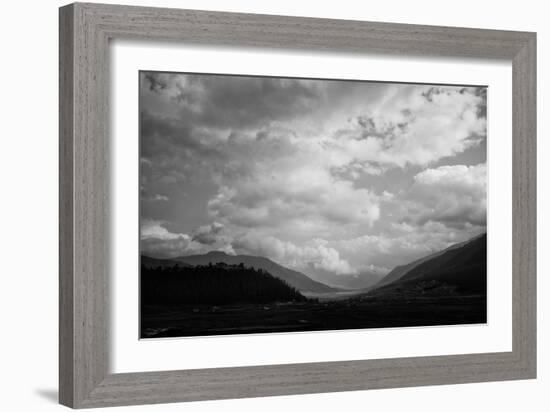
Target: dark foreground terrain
(220, 296)
(368, 312)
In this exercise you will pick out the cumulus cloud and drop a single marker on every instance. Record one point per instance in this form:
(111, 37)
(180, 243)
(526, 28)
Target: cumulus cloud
(208, 234)
(155, 229)
(272, 166)
(158, 241)
(299, 196)
(403, 243)
(414, 125)
(315, 253)
(454, 195)
(216, 102)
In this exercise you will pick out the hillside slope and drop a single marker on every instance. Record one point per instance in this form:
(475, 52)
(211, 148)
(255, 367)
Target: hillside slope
(400, 271)
(461, 268)
(294, 278)
(151, 262)
(212, 285)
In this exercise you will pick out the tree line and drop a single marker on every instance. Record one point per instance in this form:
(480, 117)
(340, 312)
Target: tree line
(217, 284)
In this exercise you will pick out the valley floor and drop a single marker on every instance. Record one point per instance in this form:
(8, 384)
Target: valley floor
(371, 312)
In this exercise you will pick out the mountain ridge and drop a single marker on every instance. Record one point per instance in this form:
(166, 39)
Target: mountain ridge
(294, 278)
(401, 270)
(460, 268)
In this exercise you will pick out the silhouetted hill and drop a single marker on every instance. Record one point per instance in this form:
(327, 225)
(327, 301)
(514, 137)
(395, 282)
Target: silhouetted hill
(213, 284)
(293, 278)
(461, 268)
(151, 262)
(400, 271)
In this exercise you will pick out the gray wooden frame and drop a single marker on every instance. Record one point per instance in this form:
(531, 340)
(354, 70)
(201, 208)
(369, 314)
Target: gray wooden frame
(85, 31)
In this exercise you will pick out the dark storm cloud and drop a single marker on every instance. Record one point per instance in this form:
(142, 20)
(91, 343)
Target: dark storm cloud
(167, 135)
(242, 102)
(173, 150)
(482, 106)
(233, 101)
(155, 83)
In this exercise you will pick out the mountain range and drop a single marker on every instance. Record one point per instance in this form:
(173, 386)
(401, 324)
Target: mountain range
(461, 268)
(151, 262)
(294, 278)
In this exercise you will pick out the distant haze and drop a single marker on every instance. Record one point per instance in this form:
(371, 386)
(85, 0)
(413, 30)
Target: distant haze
(330, 178)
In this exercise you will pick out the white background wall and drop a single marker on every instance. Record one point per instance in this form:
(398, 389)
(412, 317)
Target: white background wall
(28, 192)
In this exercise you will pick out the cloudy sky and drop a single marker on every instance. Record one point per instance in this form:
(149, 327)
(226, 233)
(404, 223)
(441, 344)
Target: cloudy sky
(327, 177)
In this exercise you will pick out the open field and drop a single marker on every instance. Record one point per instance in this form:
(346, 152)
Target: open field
(374, 312)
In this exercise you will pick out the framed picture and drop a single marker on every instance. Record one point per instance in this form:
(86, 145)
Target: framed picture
(256, 205)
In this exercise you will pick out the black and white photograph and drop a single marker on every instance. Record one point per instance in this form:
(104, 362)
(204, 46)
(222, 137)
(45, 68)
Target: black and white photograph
(271, 204)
